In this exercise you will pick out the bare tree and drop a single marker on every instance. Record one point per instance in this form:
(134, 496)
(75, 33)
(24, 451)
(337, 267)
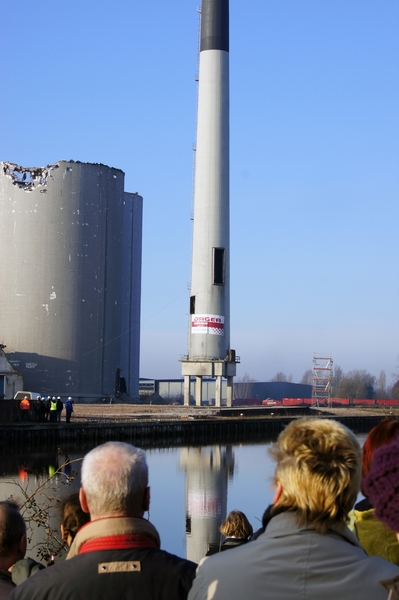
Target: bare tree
(395, 390)
(307, 377)
(38, 506)
(337, 377)
(280, 376)
(243, 387)
(382, 385)
(357, 384)
(395, 375)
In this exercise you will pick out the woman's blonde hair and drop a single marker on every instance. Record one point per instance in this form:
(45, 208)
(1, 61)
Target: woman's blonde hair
(319, 468)
(236, 525)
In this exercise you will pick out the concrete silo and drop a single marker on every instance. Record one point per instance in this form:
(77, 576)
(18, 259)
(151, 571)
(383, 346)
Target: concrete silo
(70, 273)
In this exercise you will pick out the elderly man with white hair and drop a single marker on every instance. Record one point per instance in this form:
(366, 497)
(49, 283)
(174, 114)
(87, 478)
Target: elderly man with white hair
(117, 554)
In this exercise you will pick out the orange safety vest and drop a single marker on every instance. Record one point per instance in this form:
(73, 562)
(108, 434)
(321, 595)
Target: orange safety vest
(24, 404)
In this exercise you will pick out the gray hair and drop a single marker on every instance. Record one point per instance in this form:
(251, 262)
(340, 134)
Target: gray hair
(114, 479)
(12, 528)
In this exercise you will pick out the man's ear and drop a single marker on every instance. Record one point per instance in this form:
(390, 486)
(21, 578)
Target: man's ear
(22, 545)
(83, 500)
(277, 493)
(146, 499)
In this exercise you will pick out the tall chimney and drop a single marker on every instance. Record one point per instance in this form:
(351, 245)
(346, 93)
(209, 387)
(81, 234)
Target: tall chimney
(209, 346)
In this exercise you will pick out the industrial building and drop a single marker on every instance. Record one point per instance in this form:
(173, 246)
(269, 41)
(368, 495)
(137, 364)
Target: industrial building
(254, 392)
(70, 278)
(10, 380)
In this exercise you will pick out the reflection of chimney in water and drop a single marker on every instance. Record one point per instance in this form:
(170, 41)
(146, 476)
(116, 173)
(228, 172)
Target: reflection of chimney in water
(207, 473)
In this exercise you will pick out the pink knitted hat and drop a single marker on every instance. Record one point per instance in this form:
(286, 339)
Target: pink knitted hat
(381, 486)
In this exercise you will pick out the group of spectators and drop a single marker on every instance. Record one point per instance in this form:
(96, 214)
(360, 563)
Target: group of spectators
(45, 410)
(304, 549)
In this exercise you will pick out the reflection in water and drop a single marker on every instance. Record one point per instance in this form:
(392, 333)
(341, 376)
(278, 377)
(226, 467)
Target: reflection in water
(207, 472)
(39, 483)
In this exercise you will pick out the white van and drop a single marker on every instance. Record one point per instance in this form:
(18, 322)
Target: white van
(30, 395)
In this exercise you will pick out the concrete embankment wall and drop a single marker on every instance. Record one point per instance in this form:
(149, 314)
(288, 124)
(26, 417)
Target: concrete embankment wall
(157, 433)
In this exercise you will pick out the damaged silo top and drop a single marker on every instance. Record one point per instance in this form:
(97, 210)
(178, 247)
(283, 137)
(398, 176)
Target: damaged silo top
(28, 178)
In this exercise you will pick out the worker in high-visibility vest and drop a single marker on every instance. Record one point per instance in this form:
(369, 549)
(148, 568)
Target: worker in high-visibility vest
(53, 410)
(24, 407)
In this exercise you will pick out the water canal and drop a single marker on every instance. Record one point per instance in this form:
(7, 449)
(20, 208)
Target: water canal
(192, 489)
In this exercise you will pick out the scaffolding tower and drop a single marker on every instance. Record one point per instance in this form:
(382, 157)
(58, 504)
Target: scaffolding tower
(322, 380)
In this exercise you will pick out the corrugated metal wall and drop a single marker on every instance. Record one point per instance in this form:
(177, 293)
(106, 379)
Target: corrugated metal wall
(62, 276)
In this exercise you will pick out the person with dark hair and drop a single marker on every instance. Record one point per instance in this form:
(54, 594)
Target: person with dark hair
(12, 544)
(117, 554)
(373, 535)
(73, 518)
(237, 530)
(14, 568)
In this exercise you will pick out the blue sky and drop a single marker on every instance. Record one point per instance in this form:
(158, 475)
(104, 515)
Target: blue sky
(314, 161)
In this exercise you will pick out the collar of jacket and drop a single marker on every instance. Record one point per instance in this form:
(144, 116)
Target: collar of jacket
(232, 541)
(5, 575)
(364, 515)
(284, 524)
(115, 532)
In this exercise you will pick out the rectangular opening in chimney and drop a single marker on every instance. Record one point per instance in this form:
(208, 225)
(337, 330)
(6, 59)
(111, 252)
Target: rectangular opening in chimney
(218, 266)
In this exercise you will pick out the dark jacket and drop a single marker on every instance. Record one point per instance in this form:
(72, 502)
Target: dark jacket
(227, 544)
(113, 558)
(6, 584)
(392, 586)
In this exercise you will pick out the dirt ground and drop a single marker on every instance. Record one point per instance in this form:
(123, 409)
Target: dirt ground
(134, 412)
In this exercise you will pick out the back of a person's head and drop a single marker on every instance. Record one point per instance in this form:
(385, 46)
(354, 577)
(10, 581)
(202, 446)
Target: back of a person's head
(114, 479)
(236, 525)
(73, 517)
(319, 468)
(381, 435)
(12, 528)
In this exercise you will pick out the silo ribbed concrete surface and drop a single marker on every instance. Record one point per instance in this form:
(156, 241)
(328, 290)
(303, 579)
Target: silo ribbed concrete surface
(63, 290)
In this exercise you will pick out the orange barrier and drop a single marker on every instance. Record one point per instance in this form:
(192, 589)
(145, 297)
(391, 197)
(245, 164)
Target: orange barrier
(388, 402)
